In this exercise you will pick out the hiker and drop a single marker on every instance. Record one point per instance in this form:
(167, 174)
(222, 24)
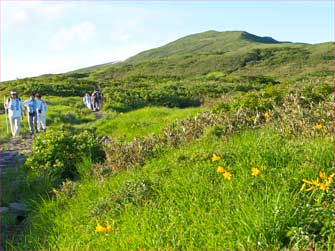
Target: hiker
(87, 101)
(100, 99)
(96, 100)
(31, 105)
(15, 109)
(42, 109)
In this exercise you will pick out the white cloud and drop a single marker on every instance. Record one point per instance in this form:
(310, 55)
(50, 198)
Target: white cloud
(17, 14)
(65, 37)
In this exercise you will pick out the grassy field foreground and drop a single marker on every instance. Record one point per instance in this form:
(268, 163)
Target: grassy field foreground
(183, 200)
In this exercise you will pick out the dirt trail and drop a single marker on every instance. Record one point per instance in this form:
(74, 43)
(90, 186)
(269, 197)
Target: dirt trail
(98, 115)
(14, 152)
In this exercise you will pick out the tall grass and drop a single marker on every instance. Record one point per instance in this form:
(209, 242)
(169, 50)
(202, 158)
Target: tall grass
(180, 201)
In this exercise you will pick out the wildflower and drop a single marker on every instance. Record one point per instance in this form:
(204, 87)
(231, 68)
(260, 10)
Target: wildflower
(318, 126)
(303, 188)
(215, 158)
(330, 179)
(313, 182)
(323, 187)
(323, 175)
(109, 228)
(267, 115)
(100, 228)
(221, 169)
(227, 175)
(255, 171)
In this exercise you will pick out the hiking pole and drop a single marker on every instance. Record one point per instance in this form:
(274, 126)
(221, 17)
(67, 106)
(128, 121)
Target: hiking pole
(6, 110)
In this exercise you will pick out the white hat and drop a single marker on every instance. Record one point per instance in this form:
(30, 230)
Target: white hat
(13, 92)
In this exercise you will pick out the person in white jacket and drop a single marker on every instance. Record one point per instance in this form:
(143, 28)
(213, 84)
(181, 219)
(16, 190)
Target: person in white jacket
(42, 109)
(15, 108)
(87, 101)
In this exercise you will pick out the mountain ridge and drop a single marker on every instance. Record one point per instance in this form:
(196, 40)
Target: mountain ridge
(204, 42)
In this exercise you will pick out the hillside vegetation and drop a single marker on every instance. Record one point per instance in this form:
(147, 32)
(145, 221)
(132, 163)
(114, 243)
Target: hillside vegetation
(219, 140)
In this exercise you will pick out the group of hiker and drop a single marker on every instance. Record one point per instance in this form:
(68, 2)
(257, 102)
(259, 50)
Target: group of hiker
(94, 101)
(36, 112)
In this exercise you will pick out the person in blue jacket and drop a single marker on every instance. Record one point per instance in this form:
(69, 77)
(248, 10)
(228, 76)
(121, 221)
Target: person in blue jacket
(31, 105)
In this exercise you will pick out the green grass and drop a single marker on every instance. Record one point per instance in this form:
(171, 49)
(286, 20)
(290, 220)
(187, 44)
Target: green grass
(68, 111)
(178, 201)
(141, 122)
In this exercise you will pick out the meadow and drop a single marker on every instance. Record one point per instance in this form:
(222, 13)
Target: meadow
(231, 152)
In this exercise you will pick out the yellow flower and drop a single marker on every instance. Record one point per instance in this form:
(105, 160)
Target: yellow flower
(323, 187)
(227, 175)
(318, 126)
(330, 178)
(313, 182)
(255, 171)
(309, 189)
(303, 187)
(215, 158)
(109, 228)
(267, 115)
(323, 175)
(100, 228)
(221, 169)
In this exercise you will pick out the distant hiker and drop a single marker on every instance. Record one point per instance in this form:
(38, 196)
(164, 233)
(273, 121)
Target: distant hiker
(87, 101)
(31, 105)
(96, 100)
(42, 109)
(15, 109)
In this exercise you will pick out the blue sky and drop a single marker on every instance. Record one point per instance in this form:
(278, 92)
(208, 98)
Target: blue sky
(40, 37)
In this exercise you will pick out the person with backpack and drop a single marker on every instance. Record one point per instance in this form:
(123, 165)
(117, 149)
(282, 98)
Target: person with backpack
(100, 99)
(96, 100)
(42, 109)
(15, 109)
(31, 105)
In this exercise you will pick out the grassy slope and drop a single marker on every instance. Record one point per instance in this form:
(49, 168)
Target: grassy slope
(179, 201)
(176, 212)
(230, 52)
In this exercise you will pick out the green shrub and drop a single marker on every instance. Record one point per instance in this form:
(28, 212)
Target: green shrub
(58, 153)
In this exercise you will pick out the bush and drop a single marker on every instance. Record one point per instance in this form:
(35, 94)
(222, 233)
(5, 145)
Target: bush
(58, 153)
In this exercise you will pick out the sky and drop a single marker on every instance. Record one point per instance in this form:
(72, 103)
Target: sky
(42, 37)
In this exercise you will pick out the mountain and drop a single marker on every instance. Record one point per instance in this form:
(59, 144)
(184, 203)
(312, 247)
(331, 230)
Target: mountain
(206, 42)
(232, 53)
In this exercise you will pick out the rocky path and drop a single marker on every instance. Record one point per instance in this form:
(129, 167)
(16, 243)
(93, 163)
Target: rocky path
(12, 154)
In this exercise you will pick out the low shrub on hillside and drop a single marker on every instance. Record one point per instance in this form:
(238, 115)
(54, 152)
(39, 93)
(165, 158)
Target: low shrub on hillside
(57, 153)
(288, 114)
